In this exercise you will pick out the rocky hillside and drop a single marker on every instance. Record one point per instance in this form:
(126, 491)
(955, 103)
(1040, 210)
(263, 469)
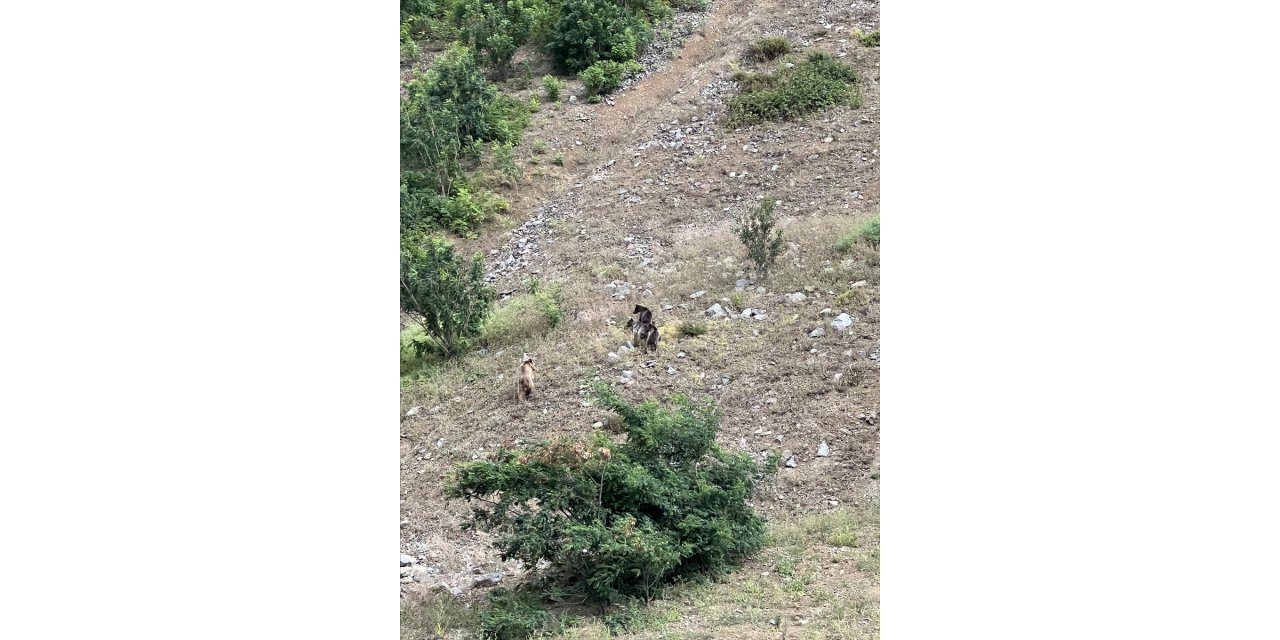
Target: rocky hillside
(632, 200)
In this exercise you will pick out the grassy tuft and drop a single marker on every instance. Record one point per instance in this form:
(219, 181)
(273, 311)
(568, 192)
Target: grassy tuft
(692, 328)
(767, 49)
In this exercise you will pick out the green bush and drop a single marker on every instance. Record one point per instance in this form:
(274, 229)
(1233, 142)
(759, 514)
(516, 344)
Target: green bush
(523, 318)
(506, 119)
(430, 139)
(511, 617)
(408, 48)
(424, 207)
(552, 87)
(505, 165)
(767, 49)
(756, 231)
(688, 5)
(587, 31)
(619, 520)
(821, 82)
(455, 83)
(870, 39)
(445, 294)
(497, 30)
(606, 75)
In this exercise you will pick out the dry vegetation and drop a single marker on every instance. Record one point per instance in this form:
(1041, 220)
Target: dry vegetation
(656, 219)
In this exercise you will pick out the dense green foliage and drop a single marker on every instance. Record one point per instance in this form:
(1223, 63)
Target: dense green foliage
(587, 31)
(497, 28)
(756, 231)
(511, 617)
(606, 75)
(620, 520)
(422, 208)
(820, 82)
(450, 112)
(445, 293)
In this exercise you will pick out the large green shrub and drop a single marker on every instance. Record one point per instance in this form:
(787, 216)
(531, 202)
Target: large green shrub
(820, 82)
(619, 520)
(455, 83)
(587, 31)
(430, 141)
(606, 75)
(497, 29)
(446, 294)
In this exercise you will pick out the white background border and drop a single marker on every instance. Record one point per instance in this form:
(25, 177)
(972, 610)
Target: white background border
(198, 257)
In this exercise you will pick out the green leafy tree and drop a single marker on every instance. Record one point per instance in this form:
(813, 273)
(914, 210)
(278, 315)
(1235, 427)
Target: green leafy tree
(431, 141)
(587, 31)
(619, 520)
(457, 83)
(444, 293)
(756, 231)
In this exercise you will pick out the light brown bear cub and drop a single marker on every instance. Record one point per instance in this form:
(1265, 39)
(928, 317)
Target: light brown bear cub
(524, 379)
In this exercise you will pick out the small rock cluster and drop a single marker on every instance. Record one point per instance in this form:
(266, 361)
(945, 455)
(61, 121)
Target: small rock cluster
(527, 238)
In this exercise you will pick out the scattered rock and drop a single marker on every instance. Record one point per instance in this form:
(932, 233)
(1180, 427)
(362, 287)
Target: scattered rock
(671, 369)
(597, 424)
(667, 307)
(413, 411)
(406, 560)
(681, 354)
(825, 312)
(487, 580)
(697, 294)
(440, 443)
(624, 348)
(824, 450)
(817, 333)
(795, 298)
(613, 357)
(742, 284)
(860, 283)
(716, 311)
(791, 462)
(842, 322)
(419, 573)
